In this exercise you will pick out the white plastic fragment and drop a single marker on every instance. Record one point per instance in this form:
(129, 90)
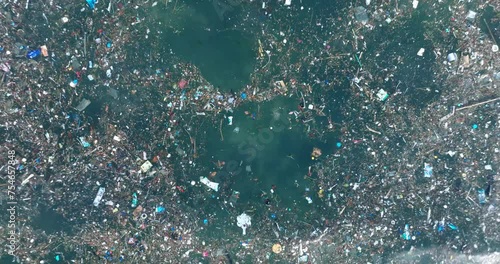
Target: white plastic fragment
(421, 52)
(27, 179)
(452, 57)
(230, 120)
(382, 95)
(494, 48)
(488, 167)
(310, 107)
(288, 2)
(244, 221)
(117, 138)
(427, 170)
(471, 15)
(212, 185)
(415, 3)
(309, 200)
(146, 166)
(99, 196)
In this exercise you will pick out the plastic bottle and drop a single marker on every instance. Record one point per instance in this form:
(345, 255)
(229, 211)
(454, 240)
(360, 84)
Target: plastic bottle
(33, 54)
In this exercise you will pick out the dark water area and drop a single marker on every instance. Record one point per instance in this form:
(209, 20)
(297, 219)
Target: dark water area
(224, 55)
(51, 222)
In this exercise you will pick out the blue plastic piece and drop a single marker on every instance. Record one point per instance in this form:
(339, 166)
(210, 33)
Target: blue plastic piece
(91, 4)
(481, 195)
(33, 54)
(243, 95)
(339, 144)
(160, 209)
(406, 234)
(205, 221)
(452, 226)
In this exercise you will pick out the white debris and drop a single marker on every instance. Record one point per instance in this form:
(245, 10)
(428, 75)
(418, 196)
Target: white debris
(146, 166)
(452, 57)
(488, 167)
(244, 221)
(99, 196)
(421, 52)
(27, 179)
(230, 120)
(382, 95)
(212, 185)
(415, 3)
(471, 15)
(117, 138)
(288, 2)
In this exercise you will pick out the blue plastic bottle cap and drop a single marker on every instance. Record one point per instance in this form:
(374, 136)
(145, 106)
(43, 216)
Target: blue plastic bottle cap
(474, 126)
(205, 221)
(339, 144)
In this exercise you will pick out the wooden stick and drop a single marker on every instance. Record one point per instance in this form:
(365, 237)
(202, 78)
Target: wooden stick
(474, 105)
(374, 131)
(220, 130)
(491, 34)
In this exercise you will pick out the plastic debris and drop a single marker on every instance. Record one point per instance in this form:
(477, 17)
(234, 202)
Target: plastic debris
(421, 52)
(33, 54)
(382, 95)
(146, 166)
(277, 248)
(452, 57)
(212, 185)
(98, 197)
(415, 4)
(361, 15)
(160, 209)
(427, 170)
(471, 16)
(134, 200)
(244, 221)
(44, 51)
(406, 233)
(82, 105)
(481, 195)
(91, 4)
(83, 142)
